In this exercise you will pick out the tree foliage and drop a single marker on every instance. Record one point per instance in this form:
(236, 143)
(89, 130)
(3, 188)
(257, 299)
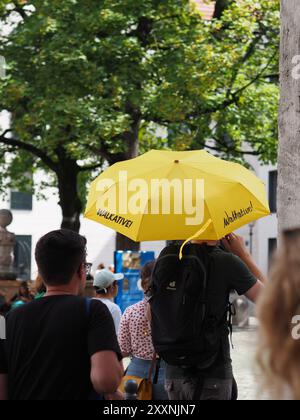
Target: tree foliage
(90, 81)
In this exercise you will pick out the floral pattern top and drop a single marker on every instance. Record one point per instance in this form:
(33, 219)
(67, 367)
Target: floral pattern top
(135, 332)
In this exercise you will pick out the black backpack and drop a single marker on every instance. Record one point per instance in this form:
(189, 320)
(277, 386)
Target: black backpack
(184, 330)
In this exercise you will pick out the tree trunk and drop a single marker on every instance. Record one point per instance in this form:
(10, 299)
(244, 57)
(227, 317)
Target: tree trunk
(125, 244)
(131, 139)
(69, 199)
(122, 242)
(221, 6)
(289, 117)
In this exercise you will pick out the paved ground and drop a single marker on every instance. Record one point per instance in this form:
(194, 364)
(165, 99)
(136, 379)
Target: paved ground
(243, 355)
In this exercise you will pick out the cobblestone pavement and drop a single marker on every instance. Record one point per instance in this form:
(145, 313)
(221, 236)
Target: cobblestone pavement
(245, 370)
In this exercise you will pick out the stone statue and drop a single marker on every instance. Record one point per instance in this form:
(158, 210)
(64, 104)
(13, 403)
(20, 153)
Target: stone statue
(7, 244)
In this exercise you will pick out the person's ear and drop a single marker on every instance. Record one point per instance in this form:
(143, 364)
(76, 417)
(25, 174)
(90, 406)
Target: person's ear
(81, 271)
(112, 288)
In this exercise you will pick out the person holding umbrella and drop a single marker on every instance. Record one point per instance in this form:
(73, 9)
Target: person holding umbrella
(199, 199)
(191, 315)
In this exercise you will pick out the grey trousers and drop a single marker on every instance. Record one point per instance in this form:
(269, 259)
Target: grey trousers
(195, 389)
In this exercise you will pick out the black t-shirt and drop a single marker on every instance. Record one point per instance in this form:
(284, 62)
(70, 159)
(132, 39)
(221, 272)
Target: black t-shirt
(227, 273)
(48, 346)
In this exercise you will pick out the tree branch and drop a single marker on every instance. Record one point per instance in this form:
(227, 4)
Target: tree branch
(104, 153)
(221, 6)
(234, 150)
(230, 100)
(18, 8)
(18, 144)
(235, 95)
(241, 62)
(90, 167)
(258, 76)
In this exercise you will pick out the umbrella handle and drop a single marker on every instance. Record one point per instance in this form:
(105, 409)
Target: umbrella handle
(202, 230)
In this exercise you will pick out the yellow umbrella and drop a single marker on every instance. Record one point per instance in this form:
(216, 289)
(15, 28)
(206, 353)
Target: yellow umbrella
(164, 195)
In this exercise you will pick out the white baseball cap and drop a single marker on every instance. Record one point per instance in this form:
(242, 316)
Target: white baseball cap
(105, 278)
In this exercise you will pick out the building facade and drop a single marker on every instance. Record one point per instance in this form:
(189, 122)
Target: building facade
(32, 218)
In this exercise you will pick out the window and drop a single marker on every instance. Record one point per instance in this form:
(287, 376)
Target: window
(272, 249)
(273, 175)
(20, 201)
(22, 261)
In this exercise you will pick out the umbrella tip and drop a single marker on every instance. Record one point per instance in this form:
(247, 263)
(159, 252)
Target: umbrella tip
(176, 161)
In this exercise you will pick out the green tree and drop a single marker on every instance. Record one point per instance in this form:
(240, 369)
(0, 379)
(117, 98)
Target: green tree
(96, 81)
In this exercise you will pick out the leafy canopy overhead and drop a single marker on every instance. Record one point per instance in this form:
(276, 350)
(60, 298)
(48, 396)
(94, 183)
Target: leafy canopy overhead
(89, 79)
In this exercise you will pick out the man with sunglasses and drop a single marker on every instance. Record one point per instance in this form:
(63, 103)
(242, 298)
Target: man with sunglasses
(62, 346)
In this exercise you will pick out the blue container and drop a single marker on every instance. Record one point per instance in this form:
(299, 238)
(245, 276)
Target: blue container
(130, 264)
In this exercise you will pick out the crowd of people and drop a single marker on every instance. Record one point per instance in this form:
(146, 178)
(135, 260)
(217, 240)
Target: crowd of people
(61, 345)
(24, 295)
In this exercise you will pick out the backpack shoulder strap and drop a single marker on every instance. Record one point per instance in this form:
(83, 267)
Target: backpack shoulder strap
(88, 304)
(231, 312)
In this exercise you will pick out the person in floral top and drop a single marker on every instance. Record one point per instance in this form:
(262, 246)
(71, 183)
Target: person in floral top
(135, 339)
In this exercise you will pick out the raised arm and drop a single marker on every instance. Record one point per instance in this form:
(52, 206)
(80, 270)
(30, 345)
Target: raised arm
(254, 293)
(236, 245)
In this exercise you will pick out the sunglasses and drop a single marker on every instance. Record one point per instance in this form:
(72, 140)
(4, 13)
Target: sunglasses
(88, 268)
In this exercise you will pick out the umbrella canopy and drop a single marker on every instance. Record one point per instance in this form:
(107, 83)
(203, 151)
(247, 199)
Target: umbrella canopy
(164, 195)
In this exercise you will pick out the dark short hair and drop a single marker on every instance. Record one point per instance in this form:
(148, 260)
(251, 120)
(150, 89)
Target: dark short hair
(24, 284)
(146, 275)
(59, 255)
